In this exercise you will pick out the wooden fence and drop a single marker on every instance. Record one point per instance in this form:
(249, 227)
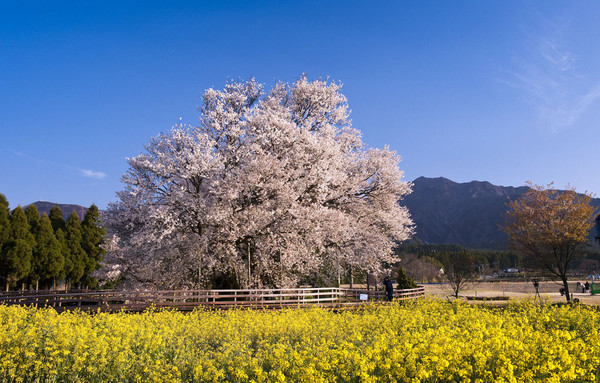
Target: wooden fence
(109, 300)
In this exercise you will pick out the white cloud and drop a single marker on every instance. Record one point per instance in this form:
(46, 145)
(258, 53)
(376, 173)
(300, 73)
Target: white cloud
(546, 73)
(82, 172)
(92, 174)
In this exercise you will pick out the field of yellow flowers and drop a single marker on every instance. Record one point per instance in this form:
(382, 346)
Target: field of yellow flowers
(424, 341)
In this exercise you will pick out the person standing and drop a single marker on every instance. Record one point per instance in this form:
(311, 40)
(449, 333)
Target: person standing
(389, 289)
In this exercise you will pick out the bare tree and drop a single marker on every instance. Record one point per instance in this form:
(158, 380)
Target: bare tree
(421, 268)
(551, 227)
(462, 270)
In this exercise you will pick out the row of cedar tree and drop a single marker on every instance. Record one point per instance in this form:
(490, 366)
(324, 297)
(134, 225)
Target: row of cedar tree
(39, 251)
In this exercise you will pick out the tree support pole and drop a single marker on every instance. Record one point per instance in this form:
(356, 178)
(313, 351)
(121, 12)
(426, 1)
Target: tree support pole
(249, 272)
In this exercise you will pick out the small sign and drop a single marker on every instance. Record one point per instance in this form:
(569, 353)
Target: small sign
(364, 297)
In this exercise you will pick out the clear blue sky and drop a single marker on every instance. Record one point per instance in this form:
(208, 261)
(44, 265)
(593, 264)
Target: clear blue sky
(502, 91)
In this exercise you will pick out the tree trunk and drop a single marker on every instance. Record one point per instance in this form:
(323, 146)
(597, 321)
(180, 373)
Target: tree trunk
(7, 286)
(566, 286)
(351, 278)
(199, 272)
(37, 285)
(456, 288)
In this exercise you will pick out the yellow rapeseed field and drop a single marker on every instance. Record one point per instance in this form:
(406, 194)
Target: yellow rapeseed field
(424, 341)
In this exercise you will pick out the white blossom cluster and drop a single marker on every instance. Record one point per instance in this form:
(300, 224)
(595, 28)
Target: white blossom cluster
(271, 187)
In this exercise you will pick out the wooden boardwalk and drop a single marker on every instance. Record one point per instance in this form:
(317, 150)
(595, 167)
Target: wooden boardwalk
(185, 300)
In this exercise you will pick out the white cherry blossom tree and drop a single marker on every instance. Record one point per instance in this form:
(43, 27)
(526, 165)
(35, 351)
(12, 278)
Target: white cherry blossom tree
(269, 188)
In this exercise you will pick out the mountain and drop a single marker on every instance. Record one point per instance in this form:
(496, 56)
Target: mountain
(445, 212)
(45, 207)
(467, 214)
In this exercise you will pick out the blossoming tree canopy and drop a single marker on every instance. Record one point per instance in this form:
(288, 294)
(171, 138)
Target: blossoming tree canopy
(270, 189)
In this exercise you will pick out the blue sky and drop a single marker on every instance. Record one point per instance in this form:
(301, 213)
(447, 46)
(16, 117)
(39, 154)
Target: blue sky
(502, 91)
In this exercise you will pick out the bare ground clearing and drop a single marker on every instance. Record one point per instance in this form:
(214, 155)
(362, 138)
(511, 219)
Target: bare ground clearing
(513, 290)
(516, 290)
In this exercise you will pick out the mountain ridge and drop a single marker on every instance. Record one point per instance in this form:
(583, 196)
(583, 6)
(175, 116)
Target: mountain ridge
(468, 214)
(444, 211)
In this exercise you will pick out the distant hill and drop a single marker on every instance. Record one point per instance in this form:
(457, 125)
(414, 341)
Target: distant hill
(445, 212)
(45, 207)
(467, 214)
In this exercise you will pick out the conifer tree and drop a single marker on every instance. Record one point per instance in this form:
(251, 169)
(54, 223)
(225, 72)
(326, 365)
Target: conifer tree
(92, 233)
(48, 260)
(64, 255)
(4, 234)
(404, 281)
(33, 217)
(19, 249)
(59, 228)
(4, 221)
(56, 217)
(76, 254)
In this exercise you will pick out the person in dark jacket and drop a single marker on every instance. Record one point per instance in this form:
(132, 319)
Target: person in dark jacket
(389, 289)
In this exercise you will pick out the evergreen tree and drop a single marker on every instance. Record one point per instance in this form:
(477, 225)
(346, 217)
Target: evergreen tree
(4, 235)
(76, 254)
(64, 255)
(33, 217)
(92, 233)
(34, 220)
(56, 217)
(48, 260)
(19, 249)
(4, 220)
(404, 281)
(59, 228)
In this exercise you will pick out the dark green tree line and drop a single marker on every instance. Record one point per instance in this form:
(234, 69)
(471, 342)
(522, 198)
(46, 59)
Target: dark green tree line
(39, 250)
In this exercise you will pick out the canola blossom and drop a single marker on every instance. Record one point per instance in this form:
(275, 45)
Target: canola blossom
(423, 341)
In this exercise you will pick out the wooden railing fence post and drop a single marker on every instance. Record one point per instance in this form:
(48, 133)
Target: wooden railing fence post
(252, 298)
